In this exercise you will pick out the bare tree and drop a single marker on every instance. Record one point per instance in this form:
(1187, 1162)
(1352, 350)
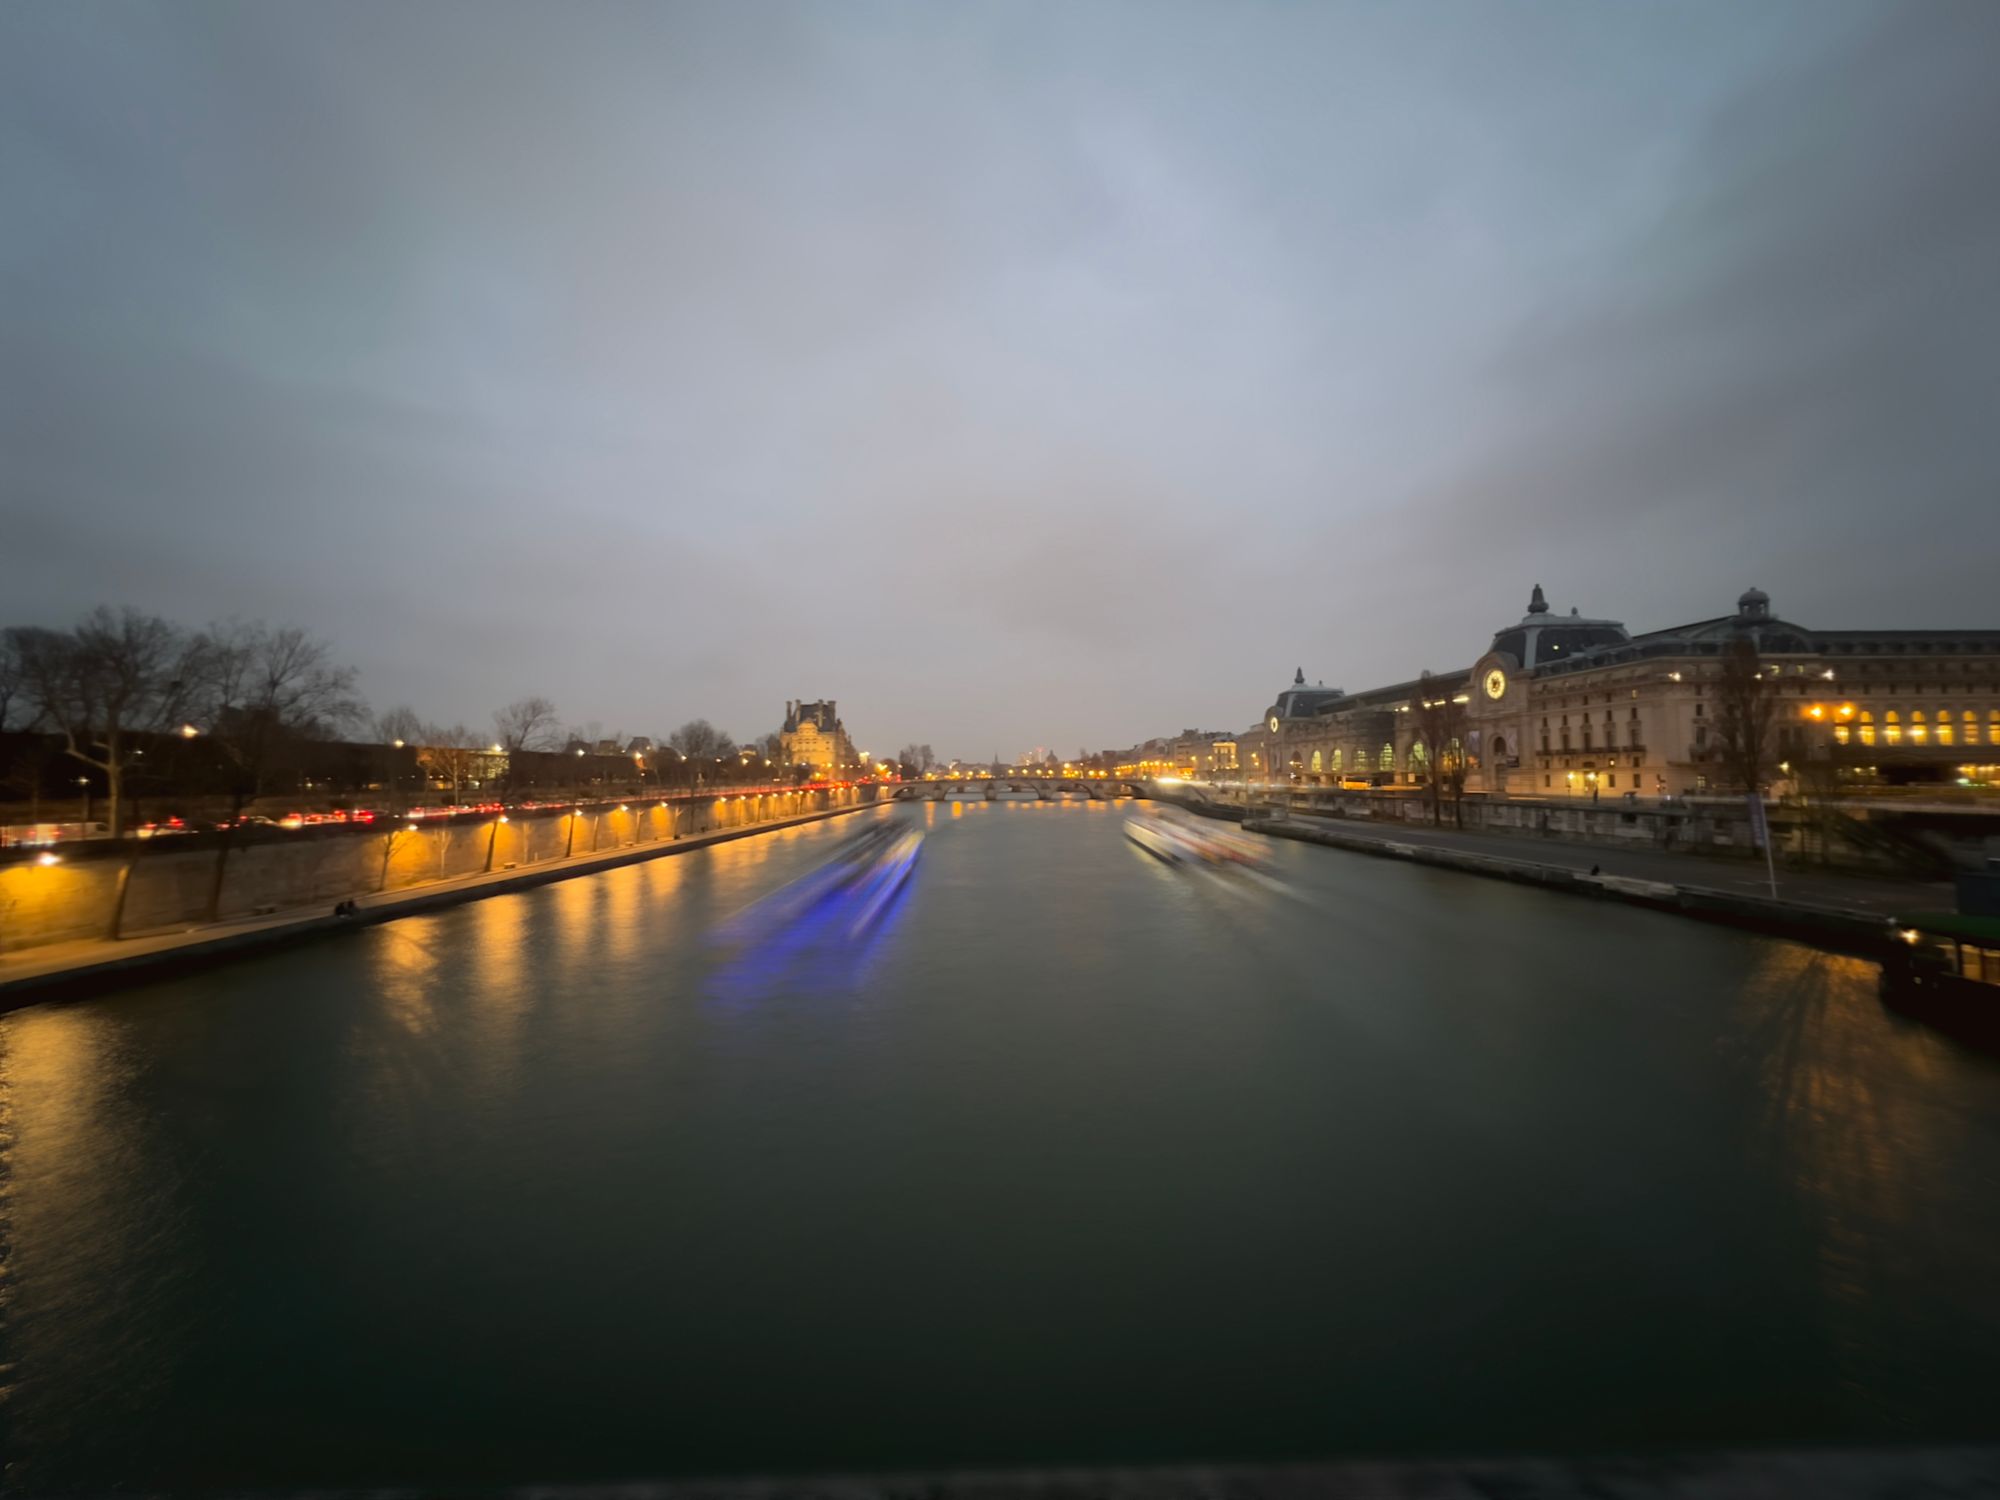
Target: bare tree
(108, 684)
(527, 724)
(398, 726)
(26, 761)
(1438, 726)
(264, 691)
(13, 681)
(1817, 785)
(700, 740)
(1745, 704)
(447, 755)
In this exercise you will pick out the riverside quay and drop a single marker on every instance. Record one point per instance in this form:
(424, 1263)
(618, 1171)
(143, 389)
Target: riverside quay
(1567, 704)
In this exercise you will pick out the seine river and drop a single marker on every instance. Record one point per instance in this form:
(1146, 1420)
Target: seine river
(1076, 1159)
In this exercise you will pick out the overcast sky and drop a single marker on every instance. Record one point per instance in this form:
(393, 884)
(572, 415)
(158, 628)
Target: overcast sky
(1015, 374)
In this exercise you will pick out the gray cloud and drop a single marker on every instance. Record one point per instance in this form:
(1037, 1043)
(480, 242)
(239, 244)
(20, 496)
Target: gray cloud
(1017, 374)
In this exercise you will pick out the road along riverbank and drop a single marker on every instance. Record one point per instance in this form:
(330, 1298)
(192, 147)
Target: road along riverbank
(91, 967)
(1846, 930)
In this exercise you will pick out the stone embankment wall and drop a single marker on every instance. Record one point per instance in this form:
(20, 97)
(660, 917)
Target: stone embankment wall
(1720, 827)
(168, 880)
(1850, 932)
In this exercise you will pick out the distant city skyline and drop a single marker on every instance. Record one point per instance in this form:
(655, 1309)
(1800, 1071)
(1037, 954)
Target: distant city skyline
(1012, 374)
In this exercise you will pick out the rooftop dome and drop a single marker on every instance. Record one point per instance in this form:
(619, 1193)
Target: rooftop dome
(1542, 636)
(1754, 604)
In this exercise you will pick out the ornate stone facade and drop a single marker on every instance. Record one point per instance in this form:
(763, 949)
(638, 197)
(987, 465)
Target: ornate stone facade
(813, 736)
(1567, 705)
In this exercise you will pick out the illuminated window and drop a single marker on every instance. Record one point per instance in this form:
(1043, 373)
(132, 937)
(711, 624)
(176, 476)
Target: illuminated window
(1971, 727)
(1867, 727)
(1944, 727)
(1317, 766)
(1917, 728)
(1386, 761)
(1892, 727)
(1419, 756)
(1840, 734)
(1336, 759)
(1993, 727)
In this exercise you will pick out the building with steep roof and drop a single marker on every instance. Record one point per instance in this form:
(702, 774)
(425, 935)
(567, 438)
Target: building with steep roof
(813, 736)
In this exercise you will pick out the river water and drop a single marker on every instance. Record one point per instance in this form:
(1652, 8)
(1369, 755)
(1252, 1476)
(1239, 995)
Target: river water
(1076, 1158)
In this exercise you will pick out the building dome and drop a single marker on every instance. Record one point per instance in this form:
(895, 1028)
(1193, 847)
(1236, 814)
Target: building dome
(1543, 637)
(1754, 604)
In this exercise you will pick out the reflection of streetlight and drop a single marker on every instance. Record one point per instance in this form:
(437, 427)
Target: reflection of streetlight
(188, 731)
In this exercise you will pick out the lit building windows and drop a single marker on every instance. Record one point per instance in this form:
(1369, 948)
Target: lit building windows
(1892, 727)
(1317, 766)
(1387, 760)
(1917, 727)
(1840, 734)
(1944, 728)
(1867, 727)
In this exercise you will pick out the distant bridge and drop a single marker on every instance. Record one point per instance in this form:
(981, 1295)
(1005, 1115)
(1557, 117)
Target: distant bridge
(1046, 788)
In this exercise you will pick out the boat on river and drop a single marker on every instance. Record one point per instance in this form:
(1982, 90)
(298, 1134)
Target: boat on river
(1179, 840)
(849, 892)
(1946, 965)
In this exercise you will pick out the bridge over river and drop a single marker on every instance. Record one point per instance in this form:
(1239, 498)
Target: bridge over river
(1076, 1158)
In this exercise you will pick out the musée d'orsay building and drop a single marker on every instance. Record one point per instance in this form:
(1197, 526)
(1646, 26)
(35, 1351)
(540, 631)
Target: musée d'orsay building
(1566, 705)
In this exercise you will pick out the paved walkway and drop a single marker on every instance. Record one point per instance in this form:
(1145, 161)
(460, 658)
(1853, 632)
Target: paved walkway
(1828, 888)
(28, 974)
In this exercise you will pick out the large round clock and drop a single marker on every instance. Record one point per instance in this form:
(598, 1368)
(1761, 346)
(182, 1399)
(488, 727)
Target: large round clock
(1496, 683)
(1274, 723)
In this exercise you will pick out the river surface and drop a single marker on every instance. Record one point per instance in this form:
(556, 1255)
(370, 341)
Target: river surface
(1076, 1158)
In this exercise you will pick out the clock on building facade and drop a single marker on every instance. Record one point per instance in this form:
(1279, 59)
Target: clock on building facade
(1496, 683)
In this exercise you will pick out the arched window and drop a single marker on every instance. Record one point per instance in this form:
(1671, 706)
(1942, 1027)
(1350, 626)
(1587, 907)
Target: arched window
(1420, 757)
(1840, 734)
(1944, 726)
(1867, 727)
(1387, 760)
(1454, 753)
(1971, 727)
(1500, 749)
(1892, 727)
(1317, 765)
(1336, 760)
(1918, 729)
(1993, 727)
